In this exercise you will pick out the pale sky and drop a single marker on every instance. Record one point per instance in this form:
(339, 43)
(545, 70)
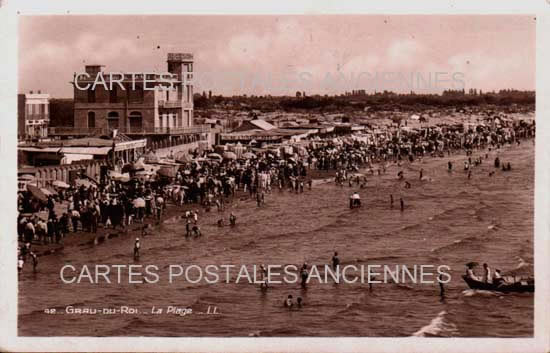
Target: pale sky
(282, 54)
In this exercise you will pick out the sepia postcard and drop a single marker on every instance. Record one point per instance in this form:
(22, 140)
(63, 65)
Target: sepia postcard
(193, 178)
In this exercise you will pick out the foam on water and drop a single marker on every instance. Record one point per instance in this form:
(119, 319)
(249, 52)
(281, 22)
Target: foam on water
(438, 327)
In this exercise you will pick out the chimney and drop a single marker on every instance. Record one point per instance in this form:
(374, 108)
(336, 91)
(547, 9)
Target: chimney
(93, 70)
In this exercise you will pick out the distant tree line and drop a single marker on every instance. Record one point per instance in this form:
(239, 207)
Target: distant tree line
(378, 101)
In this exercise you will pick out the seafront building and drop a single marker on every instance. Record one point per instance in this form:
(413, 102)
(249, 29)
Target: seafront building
(113, 123)
(33, 115)
(139, 105)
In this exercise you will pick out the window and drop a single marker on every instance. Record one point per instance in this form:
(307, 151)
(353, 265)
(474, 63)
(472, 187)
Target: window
(112, 120)
(188, 93)
(91, 95)
(113, 95)
(187, 116)
(136, 121)
(91, 119)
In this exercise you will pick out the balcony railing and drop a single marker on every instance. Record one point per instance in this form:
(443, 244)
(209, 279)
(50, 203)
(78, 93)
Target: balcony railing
(85, 131)
(167, 104)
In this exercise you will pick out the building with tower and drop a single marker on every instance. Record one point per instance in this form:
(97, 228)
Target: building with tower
(154, 106)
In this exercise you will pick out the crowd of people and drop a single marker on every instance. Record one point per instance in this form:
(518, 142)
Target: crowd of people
(214, 182)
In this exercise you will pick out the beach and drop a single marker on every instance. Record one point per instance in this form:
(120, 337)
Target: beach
(448, 220)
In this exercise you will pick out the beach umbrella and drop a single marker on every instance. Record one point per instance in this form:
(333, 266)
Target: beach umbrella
(47, 192)
(230, 155)
(27, 177)
(249, 155)
(214, 156)
(139, 202)
(36, 192)
(61, 184)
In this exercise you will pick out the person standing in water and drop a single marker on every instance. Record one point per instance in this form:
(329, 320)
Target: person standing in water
(402, 204)
(137, 246)
(34, 261)
(391, 200)
(487, 278)
(304, 275)
(335, 261)
(421, 173)
(232, 219)
(20, 263)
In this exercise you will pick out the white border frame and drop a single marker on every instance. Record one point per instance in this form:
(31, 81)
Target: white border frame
(9, 10)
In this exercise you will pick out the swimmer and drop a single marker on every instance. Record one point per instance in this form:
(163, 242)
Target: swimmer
(232, 219)
(400, 175)
(288, 302)
(299, 302)
(220, 222)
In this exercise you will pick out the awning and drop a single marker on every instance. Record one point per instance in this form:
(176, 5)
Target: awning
(86, 150)
(36, 192)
